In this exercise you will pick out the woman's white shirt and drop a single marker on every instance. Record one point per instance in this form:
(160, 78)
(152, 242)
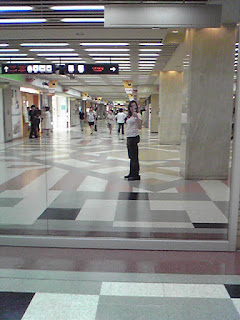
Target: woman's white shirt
(111, 119)
(120, 117)
(91, 117)
(132, 126)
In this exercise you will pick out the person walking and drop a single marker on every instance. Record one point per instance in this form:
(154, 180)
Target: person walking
(91, 119)
(46, 122)
(81, 117)
(110, 120)
(33, 115)
(133, 124)
(121, 120)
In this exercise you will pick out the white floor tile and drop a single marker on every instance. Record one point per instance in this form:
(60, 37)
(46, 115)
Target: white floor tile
(144, 224)
(98, 210)
(171, 190)
(47, 306)
(236, 303)
(160, 176)
(93, 184)
(198, 211)
(75, 163)
(216, 190)
(111, 170)
(195, 290)
(132, 289)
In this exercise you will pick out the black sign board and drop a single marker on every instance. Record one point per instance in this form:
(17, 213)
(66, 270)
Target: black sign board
(105, 68)
(28, 68)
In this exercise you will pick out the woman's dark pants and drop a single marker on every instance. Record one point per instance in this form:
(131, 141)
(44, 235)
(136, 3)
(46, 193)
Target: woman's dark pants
(132, 146)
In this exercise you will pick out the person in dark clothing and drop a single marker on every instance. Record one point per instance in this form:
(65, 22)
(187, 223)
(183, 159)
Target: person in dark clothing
(81, 117)
(33, 116)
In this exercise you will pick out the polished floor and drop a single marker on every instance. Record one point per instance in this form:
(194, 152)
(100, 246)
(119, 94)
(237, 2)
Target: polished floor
(71, 184)
(88, 284)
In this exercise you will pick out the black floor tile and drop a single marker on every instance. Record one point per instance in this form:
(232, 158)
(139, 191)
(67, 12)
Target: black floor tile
(14, 304)
(59, 214)
(233, 290)
(133, 196)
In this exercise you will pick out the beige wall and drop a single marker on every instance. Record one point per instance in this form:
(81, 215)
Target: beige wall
(170, 102)
(154, 113)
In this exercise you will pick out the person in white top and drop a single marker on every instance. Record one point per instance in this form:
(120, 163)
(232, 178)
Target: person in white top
(110, 120)
(133, 124)
(121, 120)
(46, 122)
(91, 119)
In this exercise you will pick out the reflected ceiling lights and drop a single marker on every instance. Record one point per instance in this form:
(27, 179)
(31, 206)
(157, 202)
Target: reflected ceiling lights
(43, 44)
(8, 21)
(78, 8)
(103, 44)
(15, 8)
(83, 20)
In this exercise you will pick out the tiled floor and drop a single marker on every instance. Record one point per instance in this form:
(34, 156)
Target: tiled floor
(72, 183)
(87, 284)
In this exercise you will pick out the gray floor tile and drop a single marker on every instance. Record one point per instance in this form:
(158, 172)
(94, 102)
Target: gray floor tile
(9, 202)
(179, 196)
(127, 312)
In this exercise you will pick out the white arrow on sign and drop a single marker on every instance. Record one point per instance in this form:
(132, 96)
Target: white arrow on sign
(113, 69)
(6, 69)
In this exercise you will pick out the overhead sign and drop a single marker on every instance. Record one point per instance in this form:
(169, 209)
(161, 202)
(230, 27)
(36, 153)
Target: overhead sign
(105, 68)
(28, 68)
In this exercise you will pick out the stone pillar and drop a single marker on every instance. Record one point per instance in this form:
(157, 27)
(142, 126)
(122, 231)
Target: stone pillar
(207, 103)
(154, 113)
(170, 103)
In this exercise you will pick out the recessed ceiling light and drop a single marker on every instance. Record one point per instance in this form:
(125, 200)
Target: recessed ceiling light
(150, 50)
(58, 54)
(146, 65)
(9, 21)
(104, 44)
(17, 59)
(109, 54)
(43, 44)
(9, 50)
(13, 54)
(83, 20)
(151, 44)
(148, 55)
(15, 8)
(66, 61)
(57, 59)
(4, 44)
(53, 50)
(174, 31)
(107, 50)
(78, 8)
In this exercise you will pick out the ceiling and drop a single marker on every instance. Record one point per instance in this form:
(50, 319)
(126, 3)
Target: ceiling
(142, 70)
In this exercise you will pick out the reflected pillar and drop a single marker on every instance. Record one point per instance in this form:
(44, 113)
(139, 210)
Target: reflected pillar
(207, 103)
(154, 113)
(170, 103)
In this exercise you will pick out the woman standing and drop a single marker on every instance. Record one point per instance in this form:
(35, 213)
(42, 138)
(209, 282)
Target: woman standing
(133, 124)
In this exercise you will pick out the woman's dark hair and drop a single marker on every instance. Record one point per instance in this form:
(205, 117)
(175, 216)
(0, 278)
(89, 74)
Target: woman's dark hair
(46, 108)
(129, 110)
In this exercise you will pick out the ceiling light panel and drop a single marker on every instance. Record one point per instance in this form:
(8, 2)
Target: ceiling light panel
(151, 44)
(15, 8)
(109, 54)
(107, 50)
(22, 61)
(104, 44)
(78, 8)
(53, 50)
(13, 54)
(58, 54)
(4, 44)
(150, 50)
(14, 21)
(9, 50)
(83, 20)
(44, 44)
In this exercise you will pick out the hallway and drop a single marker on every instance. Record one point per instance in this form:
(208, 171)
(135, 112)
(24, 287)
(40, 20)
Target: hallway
(72, 184)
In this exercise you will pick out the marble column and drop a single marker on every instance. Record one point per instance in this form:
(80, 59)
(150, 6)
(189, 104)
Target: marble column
(154, 113)
(207, 102)
(170, 103)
